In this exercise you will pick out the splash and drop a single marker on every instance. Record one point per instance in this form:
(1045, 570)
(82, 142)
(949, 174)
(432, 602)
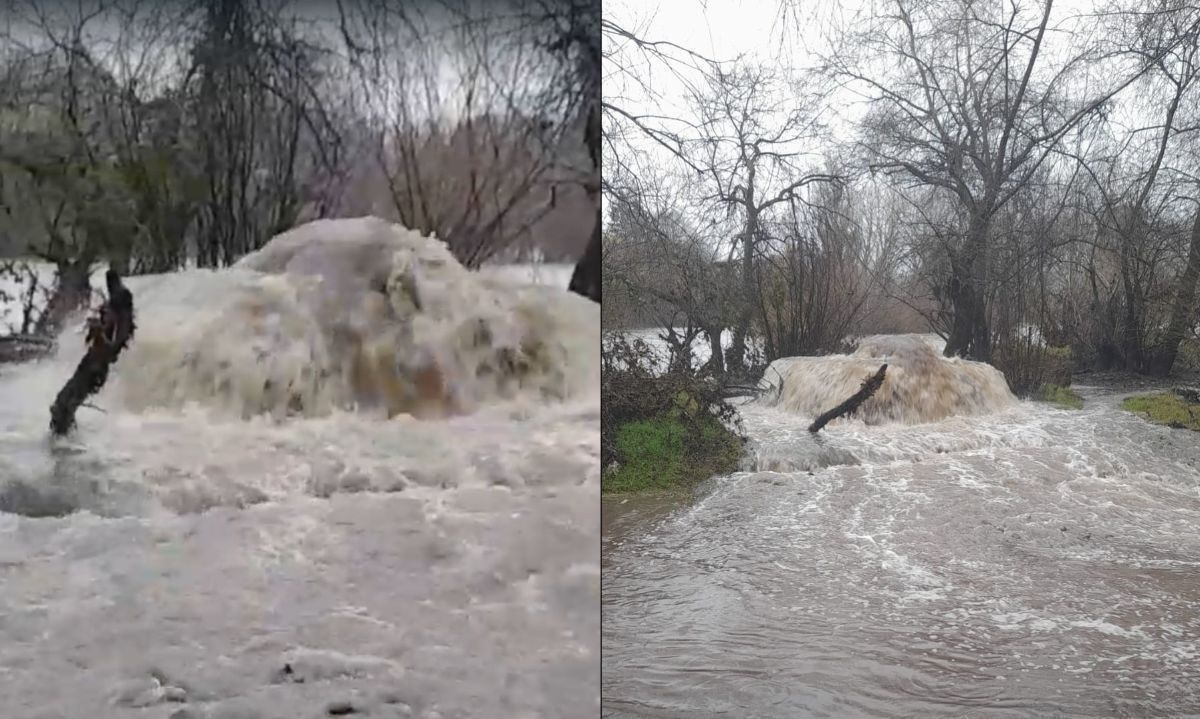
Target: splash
(920, 386)
(354, 314)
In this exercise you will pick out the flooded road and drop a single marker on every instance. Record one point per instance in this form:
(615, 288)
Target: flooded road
(272, 509)
(1025, 562)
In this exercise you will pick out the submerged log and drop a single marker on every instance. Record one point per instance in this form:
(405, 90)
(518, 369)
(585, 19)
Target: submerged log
(107, 335)
(869, 386)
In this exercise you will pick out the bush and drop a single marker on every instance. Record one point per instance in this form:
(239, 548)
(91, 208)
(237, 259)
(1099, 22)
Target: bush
(1188, 359)
(1028, 366)
(661, 430)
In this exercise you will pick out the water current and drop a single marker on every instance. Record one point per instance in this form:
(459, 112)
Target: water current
(345, 476)
(950, 553)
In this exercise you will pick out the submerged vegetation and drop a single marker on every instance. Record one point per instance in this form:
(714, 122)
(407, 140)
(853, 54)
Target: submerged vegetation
(1179, 410)
(1059, 396)
(661, 431)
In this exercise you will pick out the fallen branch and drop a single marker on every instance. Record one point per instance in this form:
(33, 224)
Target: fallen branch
(107, 335)
(869, 386)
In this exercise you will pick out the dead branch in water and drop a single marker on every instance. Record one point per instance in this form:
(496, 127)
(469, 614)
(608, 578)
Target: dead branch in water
(869, 386)
(107, 335)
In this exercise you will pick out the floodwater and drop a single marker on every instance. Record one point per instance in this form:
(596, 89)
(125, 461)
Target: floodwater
(1007, 560)
(344, 477)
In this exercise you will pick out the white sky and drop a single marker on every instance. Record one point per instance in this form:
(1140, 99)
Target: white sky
(763, 31)
(760, 32)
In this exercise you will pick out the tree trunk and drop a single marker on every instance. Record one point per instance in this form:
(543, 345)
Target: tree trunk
(1183, 310)
(969, 335)
(588, 275)
(735, 359)
(961, 298)
(1131, 340)
(716, 362)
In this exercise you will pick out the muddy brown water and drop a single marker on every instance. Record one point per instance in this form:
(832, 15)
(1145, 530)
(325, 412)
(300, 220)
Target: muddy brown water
(1023, 562)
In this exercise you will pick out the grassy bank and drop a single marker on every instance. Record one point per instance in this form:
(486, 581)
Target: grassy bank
(1059, 396)
(661, 431)
(1165, 408)
(670, 452)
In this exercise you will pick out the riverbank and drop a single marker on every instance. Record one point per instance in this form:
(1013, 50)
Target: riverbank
(670, 453)
(1169, 409)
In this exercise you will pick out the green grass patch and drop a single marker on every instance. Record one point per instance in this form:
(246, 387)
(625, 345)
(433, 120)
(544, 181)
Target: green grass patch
(1165, 408)
(668, 452)
(1059, 396)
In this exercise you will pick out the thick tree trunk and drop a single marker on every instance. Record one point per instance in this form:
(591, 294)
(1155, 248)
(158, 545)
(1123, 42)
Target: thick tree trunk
(716, 361)
(970, 336)
(587, 278)
(959, 341)
(1183, 310)
(981, 339)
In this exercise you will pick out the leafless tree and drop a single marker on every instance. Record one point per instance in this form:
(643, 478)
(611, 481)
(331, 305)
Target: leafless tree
(752, 147)
(963, 98)
(481, 116)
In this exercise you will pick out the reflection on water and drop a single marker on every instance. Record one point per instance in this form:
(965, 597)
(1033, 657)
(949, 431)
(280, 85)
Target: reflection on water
(1026, 562)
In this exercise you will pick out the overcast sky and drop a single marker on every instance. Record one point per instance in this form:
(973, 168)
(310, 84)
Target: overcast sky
(762, 32)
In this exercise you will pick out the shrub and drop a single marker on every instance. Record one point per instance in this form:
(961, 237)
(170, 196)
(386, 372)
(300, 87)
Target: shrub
(1029, 366)
(661, 430)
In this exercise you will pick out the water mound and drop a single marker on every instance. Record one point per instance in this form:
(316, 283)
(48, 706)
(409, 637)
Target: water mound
(354, 313)
(920, 385)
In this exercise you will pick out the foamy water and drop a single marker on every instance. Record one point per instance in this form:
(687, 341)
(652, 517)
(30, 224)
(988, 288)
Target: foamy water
(919, 384)
(1024, 561)
(240, 530)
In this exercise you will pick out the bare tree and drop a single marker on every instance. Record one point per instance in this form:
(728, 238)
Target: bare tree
(962, 99)
(482, 115)
(671, 268)
(751, 146)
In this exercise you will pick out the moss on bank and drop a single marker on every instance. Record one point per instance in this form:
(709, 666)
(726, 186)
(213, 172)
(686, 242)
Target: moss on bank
(1165, 408)
(1059, 396)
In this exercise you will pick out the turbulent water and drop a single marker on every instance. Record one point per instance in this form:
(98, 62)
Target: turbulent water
(344, 475)
(1007, 560)
(919, 384)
